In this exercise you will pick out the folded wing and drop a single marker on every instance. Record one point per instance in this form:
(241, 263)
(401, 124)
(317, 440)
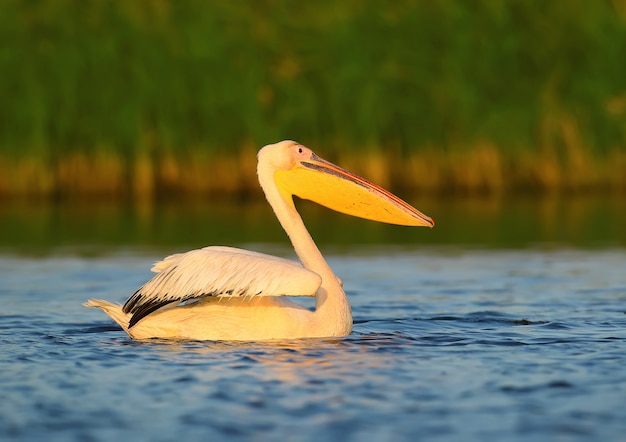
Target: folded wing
(221, 272)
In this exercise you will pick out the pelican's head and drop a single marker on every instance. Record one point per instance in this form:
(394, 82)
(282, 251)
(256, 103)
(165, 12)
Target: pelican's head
(298, 171)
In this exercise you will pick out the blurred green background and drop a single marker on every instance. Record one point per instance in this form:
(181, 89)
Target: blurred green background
(132, 99)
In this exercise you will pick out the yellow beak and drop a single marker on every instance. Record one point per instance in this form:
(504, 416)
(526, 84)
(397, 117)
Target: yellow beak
(320, 181)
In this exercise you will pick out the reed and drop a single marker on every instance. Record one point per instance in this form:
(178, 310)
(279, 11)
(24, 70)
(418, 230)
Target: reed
(482, 170)
(137, 99)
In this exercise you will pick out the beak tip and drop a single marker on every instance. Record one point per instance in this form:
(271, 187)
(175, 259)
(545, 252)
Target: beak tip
(425, 221)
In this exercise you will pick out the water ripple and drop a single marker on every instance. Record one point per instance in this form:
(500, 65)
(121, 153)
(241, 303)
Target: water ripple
(466, 349)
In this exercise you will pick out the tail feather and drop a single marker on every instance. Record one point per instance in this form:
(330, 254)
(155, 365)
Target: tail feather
(111, 309)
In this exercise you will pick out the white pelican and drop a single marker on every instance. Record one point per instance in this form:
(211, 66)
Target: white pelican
(224, 293)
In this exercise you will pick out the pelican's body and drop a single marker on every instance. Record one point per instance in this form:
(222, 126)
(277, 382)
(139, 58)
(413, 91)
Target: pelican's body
(224, 293)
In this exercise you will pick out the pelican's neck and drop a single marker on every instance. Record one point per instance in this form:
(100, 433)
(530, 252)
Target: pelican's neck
(293, 225)
(330, 298)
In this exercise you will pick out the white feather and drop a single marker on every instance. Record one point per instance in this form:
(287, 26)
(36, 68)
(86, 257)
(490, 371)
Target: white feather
(222, 272)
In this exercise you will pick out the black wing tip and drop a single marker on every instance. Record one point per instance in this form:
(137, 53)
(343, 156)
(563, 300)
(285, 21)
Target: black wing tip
(132, 302)
(140, 307)
(141, 310)
(144, 310)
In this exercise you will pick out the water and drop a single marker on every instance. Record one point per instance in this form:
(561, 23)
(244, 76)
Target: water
(90, 228)
(448, 344)
(507, 321)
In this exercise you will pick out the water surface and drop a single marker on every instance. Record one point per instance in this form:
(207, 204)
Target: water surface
(517, 332)
(447, 345)
(89, 227)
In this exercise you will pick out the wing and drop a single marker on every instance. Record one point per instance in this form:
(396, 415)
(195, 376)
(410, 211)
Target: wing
(221, 272)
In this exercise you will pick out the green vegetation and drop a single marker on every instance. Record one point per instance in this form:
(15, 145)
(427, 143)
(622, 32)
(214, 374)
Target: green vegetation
(137, 97)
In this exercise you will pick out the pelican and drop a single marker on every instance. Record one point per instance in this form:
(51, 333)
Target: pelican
(225, 293)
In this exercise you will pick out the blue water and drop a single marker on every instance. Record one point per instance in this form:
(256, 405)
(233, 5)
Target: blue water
(448, 344)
